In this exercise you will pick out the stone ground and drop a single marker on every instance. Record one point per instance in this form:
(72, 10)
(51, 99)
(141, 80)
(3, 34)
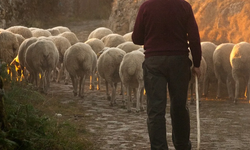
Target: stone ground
(224, 126)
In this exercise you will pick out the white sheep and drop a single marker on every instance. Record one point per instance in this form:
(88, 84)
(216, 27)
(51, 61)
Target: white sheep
(128, 36)
(70, 36)
(20, 38)
(80, 61)
(240, 60)
(96, 44)
(42, 57)
(128, 46)
(21, 56)
(223, 68)
(22, 30)
(112, 40)
(141, 49)
(131, 74)
(40, 33)
(62, 45)
(108, 68)
(8, 46)
(33, 28)
(100, 33)
(208, 49)
(54, 31)
(62, 29)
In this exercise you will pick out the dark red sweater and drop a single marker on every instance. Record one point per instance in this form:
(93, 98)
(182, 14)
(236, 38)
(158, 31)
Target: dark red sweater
(167, 27)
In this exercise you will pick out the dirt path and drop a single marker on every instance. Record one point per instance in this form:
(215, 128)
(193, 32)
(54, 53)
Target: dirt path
(224, 126)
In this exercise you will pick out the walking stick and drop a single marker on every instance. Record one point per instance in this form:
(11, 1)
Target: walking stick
(197, 113)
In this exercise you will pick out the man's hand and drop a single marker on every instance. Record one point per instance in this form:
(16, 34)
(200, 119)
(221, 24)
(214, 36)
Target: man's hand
(196, 71)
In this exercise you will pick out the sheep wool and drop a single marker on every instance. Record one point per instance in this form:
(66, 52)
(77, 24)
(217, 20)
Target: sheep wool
(22, 30)
(108, 68)
(54, 31)
(208, 49)
(128, 36)
(239, 59)
(62, 45)
(9, 46)
(42, 57)
(62, 29)
(20, 38)
(80, 61)
(100, 33)
(128, 46)
(131, 74)
(22, 53)
(70, 36)
(113, 40)
(223, 68)
(40, 33)
(96, 44)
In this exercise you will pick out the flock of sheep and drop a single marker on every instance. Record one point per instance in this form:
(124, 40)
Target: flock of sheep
(228, 64)
(56, 53)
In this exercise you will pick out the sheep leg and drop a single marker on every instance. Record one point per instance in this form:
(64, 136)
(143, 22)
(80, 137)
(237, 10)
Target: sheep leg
(248, 87)
(53, 74)
(60, 66)
(206, 86)
(66, 80)
(128, 99)
(107, 90)
(98, 78)
(74, 83)
(114, 93)
(123, 97)
(32, 78)
(121, 89)
(135, 97)
(43, 82)
(35, 79)
(139, 105)
(237, 90)
(230, 87)
(236, 77)
(47, 81)
(113, 87)
(92, 83)
(81, 86)
(219, 89)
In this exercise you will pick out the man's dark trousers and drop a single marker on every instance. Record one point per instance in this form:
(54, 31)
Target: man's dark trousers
(173, 72)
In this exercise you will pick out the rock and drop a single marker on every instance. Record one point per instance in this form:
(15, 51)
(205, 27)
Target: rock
(219, 21)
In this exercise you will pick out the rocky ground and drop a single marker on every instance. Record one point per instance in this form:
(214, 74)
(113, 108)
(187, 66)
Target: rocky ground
(224, 126)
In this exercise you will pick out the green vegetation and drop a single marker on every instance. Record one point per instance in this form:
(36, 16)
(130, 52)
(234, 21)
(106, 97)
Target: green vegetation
(33, 125)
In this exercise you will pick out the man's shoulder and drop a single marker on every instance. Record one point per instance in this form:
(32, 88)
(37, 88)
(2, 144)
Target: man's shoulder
(171, 1)
(185, 2)
(150, 3)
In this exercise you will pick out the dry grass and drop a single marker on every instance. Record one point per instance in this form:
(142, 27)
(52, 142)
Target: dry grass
(36, 121)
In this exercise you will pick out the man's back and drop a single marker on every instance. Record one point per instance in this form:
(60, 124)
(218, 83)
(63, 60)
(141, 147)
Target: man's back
(166, 25)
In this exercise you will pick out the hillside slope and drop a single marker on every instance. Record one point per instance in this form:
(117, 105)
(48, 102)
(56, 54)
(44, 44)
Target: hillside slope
(218, 20)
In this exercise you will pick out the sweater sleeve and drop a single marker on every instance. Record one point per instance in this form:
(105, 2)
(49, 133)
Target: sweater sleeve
(139, 32)
(194, 39)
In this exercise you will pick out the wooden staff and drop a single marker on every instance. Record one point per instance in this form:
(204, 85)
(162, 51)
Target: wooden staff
(197, 113)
